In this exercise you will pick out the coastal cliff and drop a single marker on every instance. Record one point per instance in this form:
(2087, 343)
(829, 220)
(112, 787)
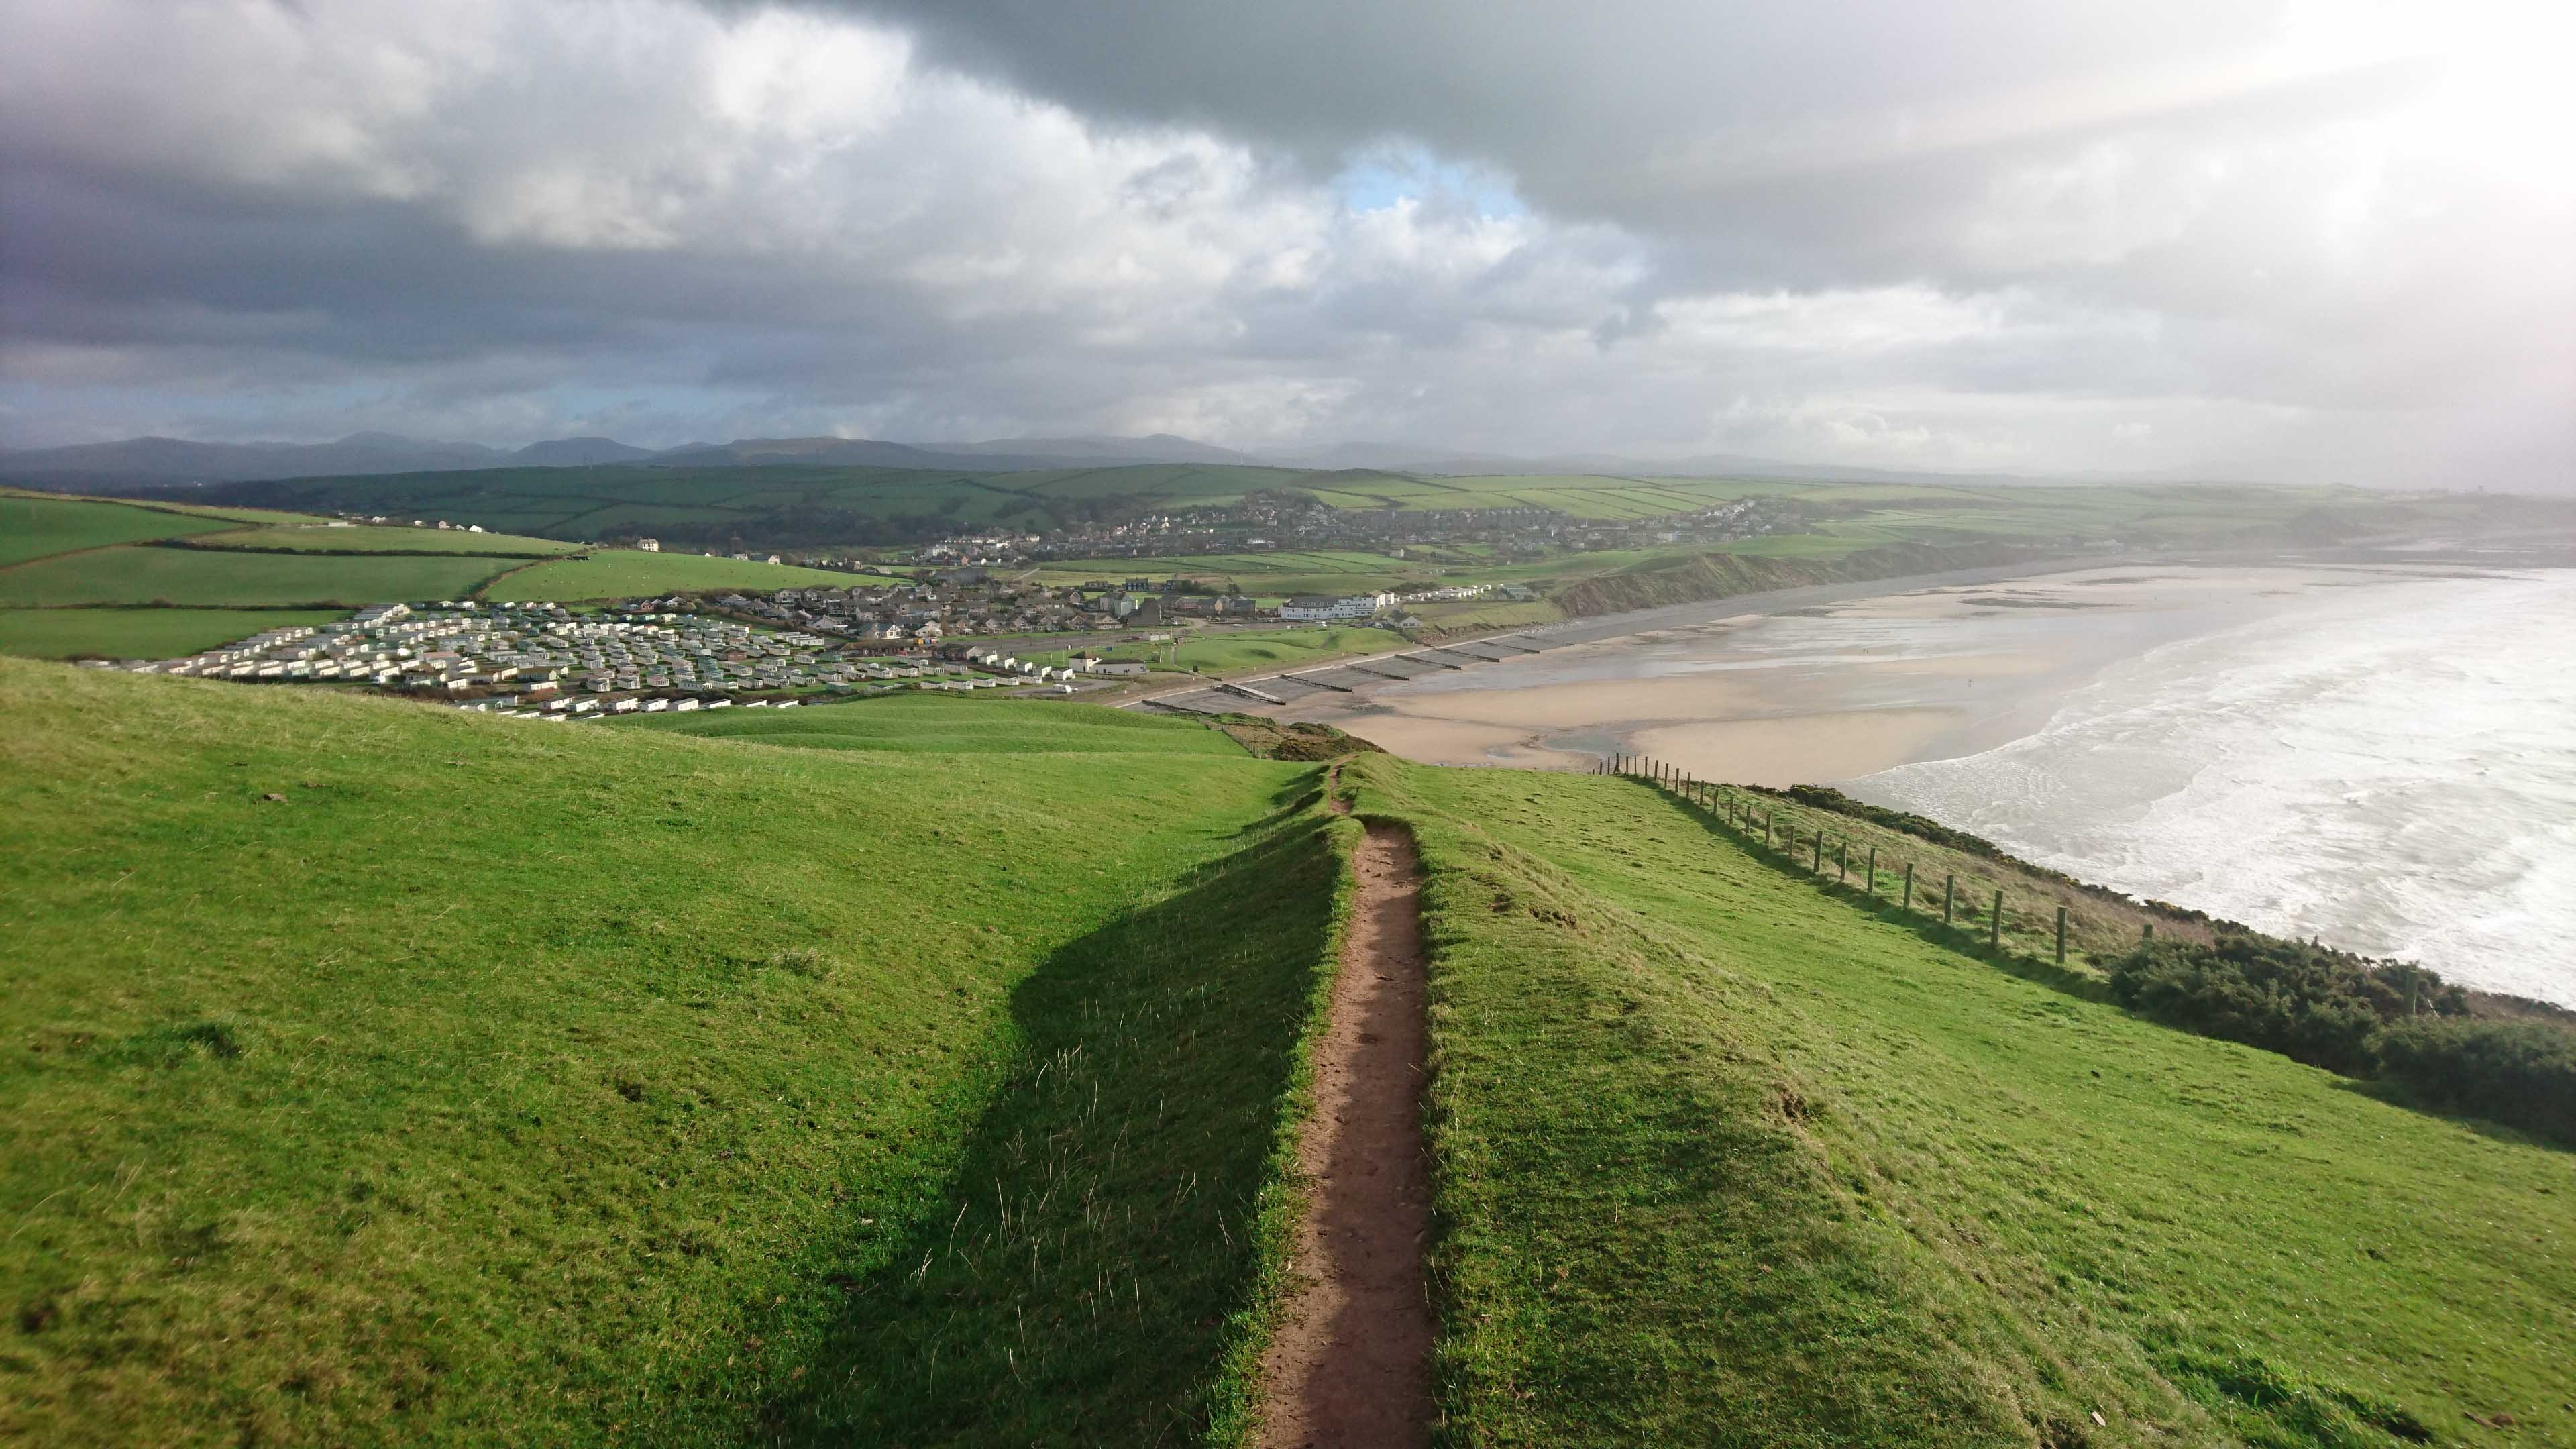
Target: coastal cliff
(1660, 582)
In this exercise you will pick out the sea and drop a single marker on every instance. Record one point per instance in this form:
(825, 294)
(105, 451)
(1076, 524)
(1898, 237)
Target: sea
(2390, 769)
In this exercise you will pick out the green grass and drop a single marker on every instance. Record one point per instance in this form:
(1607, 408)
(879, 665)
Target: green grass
(1724, 1160)
(935, 723)
(627, 573)
(370, 538)
(1797, 545)
(33, 527)
(551, 1084)
(139, 633)
(1248, 651)
(209, 578)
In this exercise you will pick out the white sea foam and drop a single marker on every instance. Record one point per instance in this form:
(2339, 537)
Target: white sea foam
(2392, 769)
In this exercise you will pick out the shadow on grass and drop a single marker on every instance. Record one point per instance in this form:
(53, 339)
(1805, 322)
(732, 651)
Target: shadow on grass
(1075, 1283)
(1966, 942)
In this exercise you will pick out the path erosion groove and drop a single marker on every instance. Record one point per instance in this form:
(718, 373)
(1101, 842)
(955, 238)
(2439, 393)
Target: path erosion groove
(1351, 1362)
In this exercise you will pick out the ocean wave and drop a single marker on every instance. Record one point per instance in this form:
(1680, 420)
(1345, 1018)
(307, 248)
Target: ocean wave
(2392, 769)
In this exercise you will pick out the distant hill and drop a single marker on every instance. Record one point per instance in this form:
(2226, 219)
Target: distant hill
(148, 463)
(578, 453)
(176, 462)
(145, 461)
(1155, 448)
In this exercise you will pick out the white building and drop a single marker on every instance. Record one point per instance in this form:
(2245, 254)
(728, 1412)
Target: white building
(1317, 608)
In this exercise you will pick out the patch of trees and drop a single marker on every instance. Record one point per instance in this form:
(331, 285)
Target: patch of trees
(2387, 1020)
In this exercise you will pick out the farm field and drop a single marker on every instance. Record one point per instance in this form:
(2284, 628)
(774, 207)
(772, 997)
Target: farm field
(33, 526)
(139, 633)
(208, 578)
(807, 506)
(593, 1085)
(1261, 573)
(1246, 651)
(627, 573)
(370, 538)
(1724, 1159)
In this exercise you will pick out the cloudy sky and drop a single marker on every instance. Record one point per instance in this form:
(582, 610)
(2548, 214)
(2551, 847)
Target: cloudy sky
(2328, 241)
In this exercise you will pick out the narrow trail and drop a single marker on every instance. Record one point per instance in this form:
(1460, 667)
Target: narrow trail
(1351, 1365)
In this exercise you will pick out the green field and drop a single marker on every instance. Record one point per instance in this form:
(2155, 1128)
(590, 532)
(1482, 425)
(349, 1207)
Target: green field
(626, 573)
(32, 526)
(139, 633)
(370, 538)
(933, 723)
(516, 1082)
(209, 578)
(1723, 1160)
(1243, 651)
(922, 1069)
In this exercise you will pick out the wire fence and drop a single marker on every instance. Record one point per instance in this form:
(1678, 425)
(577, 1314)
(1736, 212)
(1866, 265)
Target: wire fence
(1801, 840)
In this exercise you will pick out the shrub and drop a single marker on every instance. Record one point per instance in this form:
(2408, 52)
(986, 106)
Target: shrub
(2521, 1073)
(2360, 1017)
(2310, 1003)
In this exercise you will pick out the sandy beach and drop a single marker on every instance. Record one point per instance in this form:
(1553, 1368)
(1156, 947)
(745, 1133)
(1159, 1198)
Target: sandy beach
(1830, 692)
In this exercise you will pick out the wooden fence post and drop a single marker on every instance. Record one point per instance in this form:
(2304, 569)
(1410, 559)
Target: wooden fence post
(1949, 889)
(1842, 857)
(2061, 935)
(1873, 872)
(1820, 852)
(1995, 927)
(1909, 885)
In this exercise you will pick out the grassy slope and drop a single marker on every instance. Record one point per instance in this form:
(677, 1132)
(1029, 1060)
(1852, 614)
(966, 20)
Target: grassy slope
(626, 573)
(320, 538)
(1724, 1161)
(32, 527)
(210, 578)
(946, 724)
(514, 1082)
(1243, 651)
(139, 633)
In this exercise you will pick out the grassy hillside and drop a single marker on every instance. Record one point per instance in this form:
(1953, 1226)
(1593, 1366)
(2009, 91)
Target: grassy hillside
(1244, 651)
(1723, 1160)
(947, 724)
(139, 633)
(369, 538)
(385, 1074)
(627, 573)
(211, 578)
(33, 527)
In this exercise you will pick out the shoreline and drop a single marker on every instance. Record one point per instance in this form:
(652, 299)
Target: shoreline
(1831, 682)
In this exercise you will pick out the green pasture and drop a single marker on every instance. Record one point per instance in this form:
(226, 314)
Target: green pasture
(1218, 653)
(627, 573)
(379, 1074)
(33, 526)
(1725, 1159)
(373, 538)
(139, 633)
(926, 722)
(209, 578)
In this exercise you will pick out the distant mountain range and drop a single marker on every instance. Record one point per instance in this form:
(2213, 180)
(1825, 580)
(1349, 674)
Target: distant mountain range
(155, 463)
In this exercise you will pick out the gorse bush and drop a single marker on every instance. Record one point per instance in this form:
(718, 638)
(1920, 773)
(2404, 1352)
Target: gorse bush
(2360, 1017)
(2522, 1073)
(2310, 1003)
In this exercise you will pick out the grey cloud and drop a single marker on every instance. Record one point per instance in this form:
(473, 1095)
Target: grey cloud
(1938, 233)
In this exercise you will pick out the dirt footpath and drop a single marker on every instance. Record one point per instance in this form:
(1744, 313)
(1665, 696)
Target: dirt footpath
(1351, 1365)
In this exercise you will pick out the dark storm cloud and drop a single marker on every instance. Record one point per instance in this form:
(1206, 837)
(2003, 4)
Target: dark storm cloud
(2030, 235)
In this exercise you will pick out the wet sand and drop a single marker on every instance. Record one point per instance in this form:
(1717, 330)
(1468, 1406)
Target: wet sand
(1830, 692)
